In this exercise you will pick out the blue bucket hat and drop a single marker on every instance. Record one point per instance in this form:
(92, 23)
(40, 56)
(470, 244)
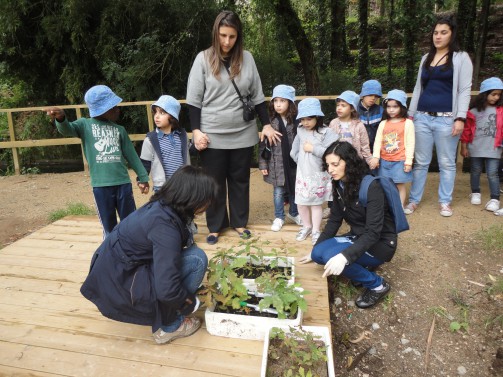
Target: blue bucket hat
(370, 88)
(350, 97)
(398, 95)
(168, 104)
(309, 107)
(100, 99)
(492, 83)
(284, 91)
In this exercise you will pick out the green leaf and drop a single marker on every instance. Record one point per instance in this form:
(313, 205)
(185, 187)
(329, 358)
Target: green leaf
(455, 326)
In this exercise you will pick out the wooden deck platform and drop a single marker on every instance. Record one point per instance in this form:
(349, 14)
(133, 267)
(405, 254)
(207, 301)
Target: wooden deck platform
(48, 329)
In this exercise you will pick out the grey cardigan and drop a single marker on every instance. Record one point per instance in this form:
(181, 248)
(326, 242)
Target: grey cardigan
(461, 85)
(221, 109)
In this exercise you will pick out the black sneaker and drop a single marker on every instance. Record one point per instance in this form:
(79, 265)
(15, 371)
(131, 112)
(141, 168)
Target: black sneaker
(370, 297)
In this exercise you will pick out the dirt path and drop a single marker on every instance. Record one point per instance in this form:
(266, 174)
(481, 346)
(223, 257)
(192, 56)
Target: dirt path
(439, 267)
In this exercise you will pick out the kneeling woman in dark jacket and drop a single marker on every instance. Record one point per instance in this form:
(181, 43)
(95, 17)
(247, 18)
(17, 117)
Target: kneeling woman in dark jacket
(372, 239)
(148, 269)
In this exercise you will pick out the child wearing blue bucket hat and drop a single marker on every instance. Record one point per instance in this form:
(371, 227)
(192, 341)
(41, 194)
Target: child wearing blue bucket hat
(395, 141)
(165, 149)
(313, 185)
(349, 126)
(482, 139)
(106, 146)
(369, 109)
(274, 161)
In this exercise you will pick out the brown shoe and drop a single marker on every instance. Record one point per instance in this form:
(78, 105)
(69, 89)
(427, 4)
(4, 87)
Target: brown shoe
(188, 327)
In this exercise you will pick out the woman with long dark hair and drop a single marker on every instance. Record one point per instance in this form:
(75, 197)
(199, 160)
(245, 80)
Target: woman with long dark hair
(372, 239)
(439, 105)
(148, 269)
(224, 138)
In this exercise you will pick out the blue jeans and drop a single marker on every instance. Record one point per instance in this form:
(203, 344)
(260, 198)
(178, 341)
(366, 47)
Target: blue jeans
(492, 165)
(194, 264)
(111, 200)
(429, 131)
(356, 271)
(279, 200)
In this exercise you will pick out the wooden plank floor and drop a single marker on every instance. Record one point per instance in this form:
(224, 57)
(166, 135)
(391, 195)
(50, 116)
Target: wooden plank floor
(48, 329)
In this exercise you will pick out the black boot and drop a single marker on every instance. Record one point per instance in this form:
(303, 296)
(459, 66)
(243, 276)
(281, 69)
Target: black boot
(370, 297)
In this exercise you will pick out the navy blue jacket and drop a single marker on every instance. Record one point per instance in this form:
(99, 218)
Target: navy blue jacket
(370, 118)
(135, 273)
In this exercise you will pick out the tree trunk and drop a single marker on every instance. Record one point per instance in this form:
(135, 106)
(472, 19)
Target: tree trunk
(339, 52)
(363, 41)
(410, 36)
(470, 27)
(481, 45)
(466, 14)
(287, 16)
(391, 29)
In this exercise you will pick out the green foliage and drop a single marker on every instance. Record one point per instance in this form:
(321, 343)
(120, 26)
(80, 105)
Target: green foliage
(301, 347)
(226, 287)
(72, 209)
(286, 299)
(344, 287)
(491, 238)
(29, 171)
(387, 301)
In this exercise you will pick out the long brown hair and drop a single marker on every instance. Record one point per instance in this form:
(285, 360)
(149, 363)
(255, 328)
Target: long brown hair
(450, 21)
(214, 53)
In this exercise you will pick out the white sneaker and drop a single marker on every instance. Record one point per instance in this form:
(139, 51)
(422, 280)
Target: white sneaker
(277, 224)
(499, 212)
(475, 198)
(410, 208)
(445, 209)
(314, 237)
(303, 233)
(493, 205)
(296, 219)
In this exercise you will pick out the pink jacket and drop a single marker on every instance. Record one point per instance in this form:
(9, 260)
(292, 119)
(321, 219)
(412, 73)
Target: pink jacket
(359, 137)
(471, 125)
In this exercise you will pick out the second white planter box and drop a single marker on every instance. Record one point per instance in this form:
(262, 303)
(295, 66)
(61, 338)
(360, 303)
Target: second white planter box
(321, 331)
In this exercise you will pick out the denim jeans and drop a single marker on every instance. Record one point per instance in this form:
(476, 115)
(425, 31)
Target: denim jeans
(429, 131)
(279, 200)
(492, 165)
(356, 271)
(194, 264)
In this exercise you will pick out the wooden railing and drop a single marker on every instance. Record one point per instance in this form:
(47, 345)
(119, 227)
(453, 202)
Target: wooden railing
(14, 144)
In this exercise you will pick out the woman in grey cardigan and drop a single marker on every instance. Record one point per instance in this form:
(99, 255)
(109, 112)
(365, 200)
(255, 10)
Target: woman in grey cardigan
(439, 105)
(225, 140)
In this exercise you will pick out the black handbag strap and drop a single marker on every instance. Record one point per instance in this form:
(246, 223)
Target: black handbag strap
(235, 86)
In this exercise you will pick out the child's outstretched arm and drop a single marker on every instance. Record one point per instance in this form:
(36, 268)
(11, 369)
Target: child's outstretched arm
(55, 113)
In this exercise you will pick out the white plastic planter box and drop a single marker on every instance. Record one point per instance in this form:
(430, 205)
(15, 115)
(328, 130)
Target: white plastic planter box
(282, 262)
(244, 326)
(321, 331)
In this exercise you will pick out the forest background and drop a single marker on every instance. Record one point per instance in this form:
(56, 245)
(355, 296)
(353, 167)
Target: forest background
(52, 51)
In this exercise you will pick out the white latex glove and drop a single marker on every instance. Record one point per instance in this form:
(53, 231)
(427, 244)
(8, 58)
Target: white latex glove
(335, 265)
(305, 259)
